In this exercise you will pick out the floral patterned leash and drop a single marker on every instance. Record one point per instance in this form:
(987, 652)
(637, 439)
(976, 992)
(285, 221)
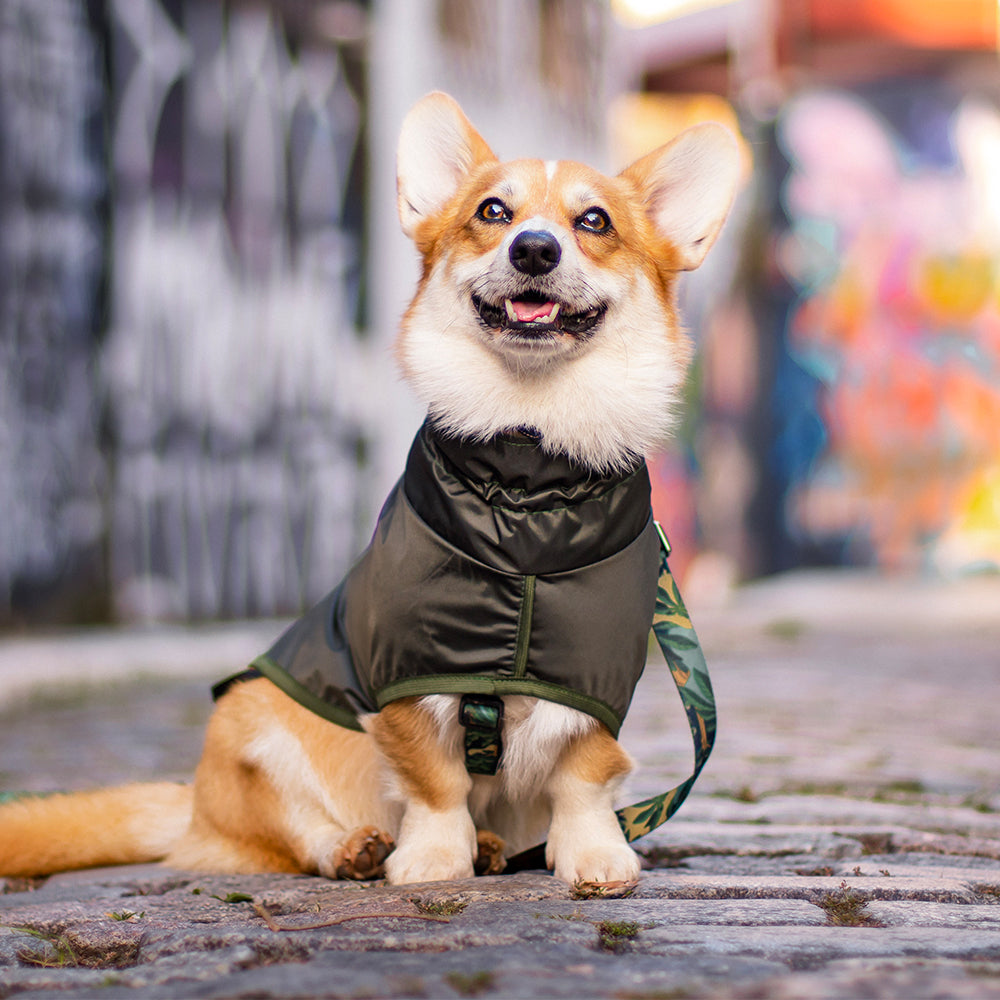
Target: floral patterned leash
(681, 649)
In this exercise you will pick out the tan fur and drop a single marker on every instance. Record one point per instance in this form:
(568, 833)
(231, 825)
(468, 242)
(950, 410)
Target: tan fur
(110, 826)
(596, 757)
(279, 788)
(409, 739)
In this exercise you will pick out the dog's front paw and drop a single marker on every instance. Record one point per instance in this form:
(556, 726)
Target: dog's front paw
(433, 846)
(363, 854)
(598, 864)
(428, 863)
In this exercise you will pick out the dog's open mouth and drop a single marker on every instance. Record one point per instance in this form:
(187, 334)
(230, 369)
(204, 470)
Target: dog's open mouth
(532, 313)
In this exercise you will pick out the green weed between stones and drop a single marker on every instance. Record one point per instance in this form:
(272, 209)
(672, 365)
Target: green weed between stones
(846, 908)
(904, 791)
(471, 985)
(575, 915)
(230, 897)
(979, 804)
(56, 951)
(440, 907)
(788, 629)
(601, 890)
(613, 935)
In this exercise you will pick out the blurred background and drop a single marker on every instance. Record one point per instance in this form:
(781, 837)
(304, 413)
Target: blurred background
(201, 272)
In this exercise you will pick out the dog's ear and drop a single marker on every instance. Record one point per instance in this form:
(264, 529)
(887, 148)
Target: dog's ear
(437, 149)
(688, 186)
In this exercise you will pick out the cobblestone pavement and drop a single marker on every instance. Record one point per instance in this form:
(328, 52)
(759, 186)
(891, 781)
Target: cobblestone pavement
(844, 840)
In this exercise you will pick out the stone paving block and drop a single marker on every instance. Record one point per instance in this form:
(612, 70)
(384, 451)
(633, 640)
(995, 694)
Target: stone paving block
(708, 886)
(844, 815)
(924, 914)
(549, 970)
(806, 947)
(675, 841)
(853, 979)
(756, 865)
(922, 863)
(656, 912)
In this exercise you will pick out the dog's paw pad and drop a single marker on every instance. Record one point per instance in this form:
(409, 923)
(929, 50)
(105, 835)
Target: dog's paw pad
(489, 853)
(363, 854)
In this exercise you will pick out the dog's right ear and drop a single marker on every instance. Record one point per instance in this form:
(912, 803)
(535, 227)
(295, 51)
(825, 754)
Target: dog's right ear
(437, 148)
(689, 186)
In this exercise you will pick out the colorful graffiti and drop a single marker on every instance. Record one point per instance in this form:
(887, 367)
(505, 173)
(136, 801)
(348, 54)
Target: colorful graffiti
(893, 249)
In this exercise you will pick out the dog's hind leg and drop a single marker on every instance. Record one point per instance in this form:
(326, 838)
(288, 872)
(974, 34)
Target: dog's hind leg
(437, 837)
(490, 858)
(586, 843)
(281, 789)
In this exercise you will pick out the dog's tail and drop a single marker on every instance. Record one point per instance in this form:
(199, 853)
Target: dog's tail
(40, 835)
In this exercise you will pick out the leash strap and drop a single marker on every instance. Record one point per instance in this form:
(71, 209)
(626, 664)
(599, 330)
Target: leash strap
(680, 647)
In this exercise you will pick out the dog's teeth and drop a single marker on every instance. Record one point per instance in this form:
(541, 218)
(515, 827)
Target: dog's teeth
(511, 312)
(553, 313)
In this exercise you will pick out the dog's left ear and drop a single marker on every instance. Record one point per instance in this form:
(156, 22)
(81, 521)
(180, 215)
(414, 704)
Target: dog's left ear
(437, 148)
(689, 186)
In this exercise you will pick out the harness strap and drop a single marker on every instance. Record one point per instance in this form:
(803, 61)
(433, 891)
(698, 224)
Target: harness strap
(482, 717)
(682, 651)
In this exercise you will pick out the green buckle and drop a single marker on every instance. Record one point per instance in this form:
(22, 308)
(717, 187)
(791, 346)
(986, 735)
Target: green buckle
(482, 717)
(664, 541)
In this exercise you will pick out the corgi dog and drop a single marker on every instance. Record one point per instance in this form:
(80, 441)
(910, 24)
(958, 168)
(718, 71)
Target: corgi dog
(544, 319)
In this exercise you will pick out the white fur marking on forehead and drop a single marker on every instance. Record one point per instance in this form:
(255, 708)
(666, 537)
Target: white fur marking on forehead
(550, 169)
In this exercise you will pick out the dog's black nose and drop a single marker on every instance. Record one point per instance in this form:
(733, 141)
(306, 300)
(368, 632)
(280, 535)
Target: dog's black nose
(535, 252)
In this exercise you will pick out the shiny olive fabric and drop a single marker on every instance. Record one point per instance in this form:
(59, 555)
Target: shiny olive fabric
(495, 568)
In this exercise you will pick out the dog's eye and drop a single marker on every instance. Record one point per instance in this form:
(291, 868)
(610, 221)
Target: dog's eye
(594, 220)
(493, 210)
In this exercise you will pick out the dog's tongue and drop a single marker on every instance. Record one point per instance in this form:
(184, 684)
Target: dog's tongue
(529, 312)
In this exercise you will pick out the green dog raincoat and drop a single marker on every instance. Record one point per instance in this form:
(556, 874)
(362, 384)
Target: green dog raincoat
(495, 569)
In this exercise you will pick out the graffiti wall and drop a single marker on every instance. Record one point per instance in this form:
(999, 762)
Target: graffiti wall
(887, 402)
(52, 259)
(231, 362)
(181, 230)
